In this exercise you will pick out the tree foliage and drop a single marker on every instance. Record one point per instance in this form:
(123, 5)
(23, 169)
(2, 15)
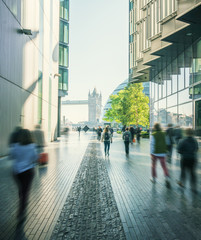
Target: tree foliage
(129, 106)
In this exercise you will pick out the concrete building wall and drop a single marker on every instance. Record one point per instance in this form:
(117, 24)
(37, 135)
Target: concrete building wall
(28, 89)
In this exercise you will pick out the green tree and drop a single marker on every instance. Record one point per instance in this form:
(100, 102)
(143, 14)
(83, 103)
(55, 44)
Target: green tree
(139, 105)
(129, 106)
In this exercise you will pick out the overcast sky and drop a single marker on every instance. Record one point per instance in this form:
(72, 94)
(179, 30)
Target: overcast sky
(98, 51)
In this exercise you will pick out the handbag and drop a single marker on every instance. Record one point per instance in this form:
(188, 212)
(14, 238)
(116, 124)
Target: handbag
(43, 158)
(133, 139)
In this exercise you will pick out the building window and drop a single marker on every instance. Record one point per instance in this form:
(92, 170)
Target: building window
(63, 79)
(64, 9)
(64, 32)
(63, 56)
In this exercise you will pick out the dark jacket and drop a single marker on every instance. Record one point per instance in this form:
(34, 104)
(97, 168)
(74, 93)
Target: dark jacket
(188, 148)
(170, 136)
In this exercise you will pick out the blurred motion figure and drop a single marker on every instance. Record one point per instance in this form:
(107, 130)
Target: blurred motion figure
(25, 156)
(188, 148)
(158, 149)
(39, 138)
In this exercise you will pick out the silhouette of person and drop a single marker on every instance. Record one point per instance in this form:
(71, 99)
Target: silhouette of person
(99, 132)
(170, 142)
(188, 148)
(39, 138)
(158, 149)
(106, 138)
(127, 139)
(79, 129)
(25, 156)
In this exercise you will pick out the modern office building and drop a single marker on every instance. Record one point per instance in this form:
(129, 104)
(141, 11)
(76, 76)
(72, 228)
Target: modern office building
(165, 49)
(29, 37)
(63, 55)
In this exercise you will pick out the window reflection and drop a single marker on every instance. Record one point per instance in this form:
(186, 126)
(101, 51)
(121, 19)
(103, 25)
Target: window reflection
(184, 96)
(172, 100)
(185, 115)
(197, 91)
(181, 79)
(172, 115)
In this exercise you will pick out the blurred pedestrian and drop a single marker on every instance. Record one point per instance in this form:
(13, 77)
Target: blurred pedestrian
(170, 142)
(123, 128)
(188, 148)
(158, 149)
(99, 132)
(138, 134)
(132, 131)
(111, 131)
(79, 129)
(39, 138)
(177, 134)
(14, 135)
(106, 138)
(25, 156)
(127, 139)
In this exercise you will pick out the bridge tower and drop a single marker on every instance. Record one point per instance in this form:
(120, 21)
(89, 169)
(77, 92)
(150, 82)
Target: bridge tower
(94, 106)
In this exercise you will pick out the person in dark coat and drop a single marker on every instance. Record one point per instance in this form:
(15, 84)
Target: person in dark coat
(138, 134)
(127, 139)
(170, 142)
(188, 148)
(132, 131)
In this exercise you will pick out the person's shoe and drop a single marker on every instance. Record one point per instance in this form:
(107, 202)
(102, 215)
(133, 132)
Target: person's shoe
(167, 183)
(153, 180)
(180, 184)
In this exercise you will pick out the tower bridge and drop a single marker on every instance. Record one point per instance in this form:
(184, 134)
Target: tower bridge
(94, 103)
(75, 102)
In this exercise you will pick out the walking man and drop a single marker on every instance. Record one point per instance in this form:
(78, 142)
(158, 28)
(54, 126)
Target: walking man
(127, 140)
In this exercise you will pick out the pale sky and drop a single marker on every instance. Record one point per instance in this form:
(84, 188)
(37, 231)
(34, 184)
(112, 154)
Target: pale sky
(98, 51)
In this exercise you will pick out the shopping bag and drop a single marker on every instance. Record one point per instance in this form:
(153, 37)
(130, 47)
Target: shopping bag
(43, 158)
(133, 139)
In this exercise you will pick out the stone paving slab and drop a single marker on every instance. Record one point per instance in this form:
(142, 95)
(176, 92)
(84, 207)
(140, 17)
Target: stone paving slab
(49, 191)
(146, 211)
(90, 211)
(151, 211)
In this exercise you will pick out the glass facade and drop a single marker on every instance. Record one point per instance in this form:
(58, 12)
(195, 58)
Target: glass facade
(179, 96)
(63, 47)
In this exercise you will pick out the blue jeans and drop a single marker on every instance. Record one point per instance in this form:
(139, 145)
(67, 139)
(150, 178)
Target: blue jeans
(107, 146)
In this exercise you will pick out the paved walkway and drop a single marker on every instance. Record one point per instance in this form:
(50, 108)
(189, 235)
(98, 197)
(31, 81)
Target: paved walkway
(85, 196)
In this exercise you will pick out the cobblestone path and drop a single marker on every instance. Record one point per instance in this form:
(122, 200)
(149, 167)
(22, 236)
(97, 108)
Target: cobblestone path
(90, 211)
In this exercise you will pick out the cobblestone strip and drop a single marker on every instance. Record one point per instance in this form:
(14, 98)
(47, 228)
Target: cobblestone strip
(90, 211)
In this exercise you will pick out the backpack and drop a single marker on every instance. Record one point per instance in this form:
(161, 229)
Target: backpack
(107, 137)
(126, 137)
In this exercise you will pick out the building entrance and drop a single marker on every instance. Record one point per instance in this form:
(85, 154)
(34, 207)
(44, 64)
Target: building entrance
(198, 118)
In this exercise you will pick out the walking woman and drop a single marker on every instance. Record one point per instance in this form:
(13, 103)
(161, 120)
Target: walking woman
(25, 156)
(158, 149)
(106, 138)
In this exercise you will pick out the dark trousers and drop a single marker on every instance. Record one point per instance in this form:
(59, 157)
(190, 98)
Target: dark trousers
(188, 165)
(169, 153)
(107, 146)
(24, 181)
(126, 147)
